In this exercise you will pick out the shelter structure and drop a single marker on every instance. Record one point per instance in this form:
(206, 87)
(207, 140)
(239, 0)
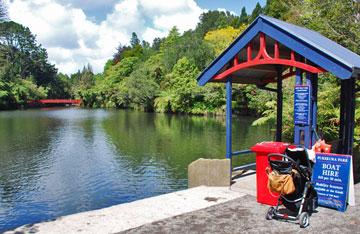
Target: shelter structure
(271, 50)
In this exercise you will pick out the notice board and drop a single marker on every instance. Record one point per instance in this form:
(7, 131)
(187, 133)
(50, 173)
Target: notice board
(302, 104)
(332, 177)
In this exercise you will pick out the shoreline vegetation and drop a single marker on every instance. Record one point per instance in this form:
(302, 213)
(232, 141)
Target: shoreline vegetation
(161, 76)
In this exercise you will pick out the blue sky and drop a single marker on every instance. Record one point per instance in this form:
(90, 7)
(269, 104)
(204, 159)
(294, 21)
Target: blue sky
(78, 32)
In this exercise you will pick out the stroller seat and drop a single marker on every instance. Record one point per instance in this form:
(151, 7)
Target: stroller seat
(300, 156)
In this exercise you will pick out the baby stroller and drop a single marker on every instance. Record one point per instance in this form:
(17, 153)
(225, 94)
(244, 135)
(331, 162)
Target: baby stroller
(303, 201)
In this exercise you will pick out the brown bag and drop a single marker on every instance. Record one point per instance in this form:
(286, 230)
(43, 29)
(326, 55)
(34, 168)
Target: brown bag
(278, 183)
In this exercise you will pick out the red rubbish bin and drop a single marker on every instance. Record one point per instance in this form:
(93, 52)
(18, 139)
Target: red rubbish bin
(262, 150)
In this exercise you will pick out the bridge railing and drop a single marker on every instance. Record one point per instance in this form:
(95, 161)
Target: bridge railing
(55, 101)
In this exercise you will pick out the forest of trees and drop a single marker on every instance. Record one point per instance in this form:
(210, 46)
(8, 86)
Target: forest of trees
(161, 76)
(25, 73)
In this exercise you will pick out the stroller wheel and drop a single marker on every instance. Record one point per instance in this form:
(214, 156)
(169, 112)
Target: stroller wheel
(270, 213)
(304, 219)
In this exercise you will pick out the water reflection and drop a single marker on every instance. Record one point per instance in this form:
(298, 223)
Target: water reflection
(177, 140)
(58, 162)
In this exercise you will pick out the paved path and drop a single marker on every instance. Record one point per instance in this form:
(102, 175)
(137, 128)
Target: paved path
(129, 215)
(245, 215)
(198, 210)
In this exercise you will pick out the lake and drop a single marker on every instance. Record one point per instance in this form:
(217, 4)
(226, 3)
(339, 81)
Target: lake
(55, 162)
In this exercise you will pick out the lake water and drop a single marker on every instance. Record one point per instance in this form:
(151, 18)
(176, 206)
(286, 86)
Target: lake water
(61, 161)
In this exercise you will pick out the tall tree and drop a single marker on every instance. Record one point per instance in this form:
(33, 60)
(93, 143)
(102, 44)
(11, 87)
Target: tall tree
(190, 45)
(180, 88)
(145, 44)
(25, 72)
(169, 48)
(118, 54)
(3, 11)
(243, 16)
(256, 12)
(278, 8)
(216, 19)
(61, 87)
(338, 20)
(23, 54)
(134, 41)
(156, 44)
(172, 37)
(221, 38)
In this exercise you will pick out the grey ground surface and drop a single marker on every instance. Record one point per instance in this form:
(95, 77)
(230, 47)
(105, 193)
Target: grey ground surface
(246, 215)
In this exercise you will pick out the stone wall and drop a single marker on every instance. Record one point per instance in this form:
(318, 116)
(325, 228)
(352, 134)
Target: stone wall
(209, 172)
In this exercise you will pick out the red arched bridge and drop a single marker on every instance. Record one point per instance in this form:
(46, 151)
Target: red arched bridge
(54, 102)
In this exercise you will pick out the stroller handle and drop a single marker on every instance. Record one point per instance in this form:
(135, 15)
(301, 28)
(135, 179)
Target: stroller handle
(288, 158)
(281, 155)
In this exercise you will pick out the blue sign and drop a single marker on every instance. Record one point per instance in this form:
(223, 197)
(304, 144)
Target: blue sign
(302, 104)
(331, 178)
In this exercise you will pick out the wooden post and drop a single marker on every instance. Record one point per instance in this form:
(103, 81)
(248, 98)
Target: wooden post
(347, 116)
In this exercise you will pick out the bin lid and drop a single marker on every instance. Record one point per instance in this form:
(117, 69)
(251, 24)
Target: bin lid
(270, 147)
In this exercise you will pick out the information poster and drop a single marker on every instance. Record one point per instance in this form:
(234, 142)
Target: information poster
(331, 176)
(302, 104)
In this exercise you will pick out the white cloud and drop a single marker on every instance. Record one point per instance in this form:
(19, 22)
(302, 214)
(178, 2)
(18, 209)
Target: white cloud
(151, 33)
(166, 6)
(224, 10)
(73, 40)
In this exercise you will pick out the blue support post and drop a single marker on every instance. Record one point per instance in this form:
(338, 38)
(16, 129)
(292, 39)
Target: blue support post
(340, 149)
(298, 77)
(303, 131)
(308, 128)
(297, 130)
(279, 110)
(314, 83)
(228, 118)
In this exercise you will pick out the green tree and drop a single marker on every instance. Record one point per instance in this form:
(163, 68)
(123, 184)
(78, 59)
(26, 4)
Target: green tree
(169, 48)
(220, 39)
(244, 16)
(118, 55)
(119, 71)
(136, 51)
(335, 19)
(256, 12)
(279, 9)
(216, 19)
(3, 11)
(145, 44)
(180, 88)
(171, 39)
(141, 90)
(25, 73)
(156, 44)
(81, 81)
(17, 92)
(60, 87)
(189, 45)
(134, 41)
(23, 56)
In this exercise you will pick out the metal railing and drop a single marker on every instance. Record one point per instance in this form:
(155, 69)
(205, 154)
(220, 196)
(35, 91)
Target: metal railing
(246, 166)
